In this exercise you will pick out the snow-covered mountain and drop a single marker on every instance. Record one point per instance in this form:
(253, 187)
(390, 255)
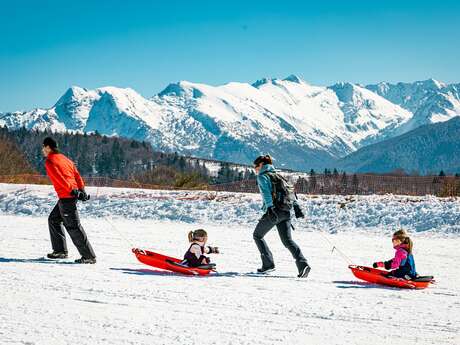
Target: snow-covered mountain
(430, 100)
(301, 125)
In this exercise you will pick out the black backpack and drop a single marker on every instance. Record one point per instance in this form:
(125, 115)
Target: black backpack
(283, 194)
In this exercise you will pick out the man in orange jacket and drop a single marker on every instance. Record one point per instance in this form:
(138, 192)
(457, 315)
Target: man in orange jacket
(69, 187)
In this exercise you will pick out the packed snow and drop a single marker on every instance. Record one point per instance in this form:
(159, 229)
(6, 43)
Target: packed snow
(121, 301)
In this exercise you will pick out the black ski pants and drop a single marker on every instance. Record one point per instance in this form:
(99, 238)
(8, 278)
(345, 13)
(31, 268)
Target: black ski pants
(65, 214)
(283, 224)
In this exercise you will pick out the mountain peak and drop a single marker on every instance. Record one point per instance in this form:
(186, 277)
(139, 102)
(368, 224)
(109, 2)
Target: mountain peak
(343, 90)
(263, 81)
(179, 88)
(73, 92)
(294, 78)
(433, 83)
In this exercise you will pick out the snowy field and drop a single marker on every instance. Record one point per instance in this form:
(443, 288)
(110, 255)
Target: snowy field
(121, 301)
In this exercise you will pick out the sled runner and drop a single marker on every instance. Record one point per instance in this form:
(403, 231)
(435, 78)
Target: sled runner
(376, 276)
(170, 264)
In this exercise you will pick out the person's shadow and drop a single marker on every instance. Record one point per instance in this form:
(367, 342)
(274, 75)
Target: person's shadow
(41, 260)
(146, 271)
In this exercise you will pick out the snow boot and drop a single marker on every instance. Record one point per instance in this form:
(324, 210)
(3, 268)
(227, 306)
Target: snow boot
(266, 269)
(83, 260)
(57, 255)
(303, 273)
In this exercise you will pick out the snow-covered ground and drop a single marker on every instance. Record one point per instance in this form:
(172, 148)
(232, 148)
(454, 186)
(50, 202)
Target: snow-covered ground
(121, 301)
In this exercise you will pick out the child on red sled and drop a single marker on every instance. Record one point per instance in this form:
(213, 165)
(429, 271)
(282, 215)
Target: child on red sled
(402, 265)
(195, 255)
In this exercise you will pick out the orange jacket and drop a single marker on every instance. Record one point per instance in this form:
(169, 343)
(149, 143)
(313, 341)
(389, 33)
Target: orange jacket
(63, 175)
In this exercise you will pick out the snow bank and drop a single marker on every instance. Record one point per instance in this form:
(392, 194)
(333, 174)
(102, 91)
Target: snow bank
(331, 213)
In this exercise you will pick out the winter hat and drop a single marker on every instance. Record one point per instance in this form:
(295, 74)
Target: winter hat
(50, 142)
(263, 159)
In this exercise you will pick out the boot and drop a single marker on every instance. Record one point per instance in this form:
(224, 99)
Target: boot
(83, 260)
(303, 272)
(266, 269)
(57, 255)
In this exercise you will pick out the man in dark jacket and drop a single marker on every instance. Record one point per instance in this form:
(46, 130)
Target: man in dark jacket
(69, 187)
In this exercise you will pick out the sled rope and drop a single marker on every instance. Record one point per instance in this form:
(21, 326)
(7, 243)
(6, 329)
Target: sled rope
(119, 232)
(334, 247)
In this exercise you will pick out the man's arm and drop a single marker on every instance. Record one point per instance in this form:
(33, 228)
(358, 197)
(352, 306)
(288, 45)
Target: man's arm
(80, 182)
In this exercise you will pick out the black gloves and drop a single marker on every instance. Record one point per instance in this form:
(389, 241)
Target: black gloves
(272, 215)
(381, 264)
(80, 194)
(298, 211)
(387, 264)
(83, 196)
(213, 250)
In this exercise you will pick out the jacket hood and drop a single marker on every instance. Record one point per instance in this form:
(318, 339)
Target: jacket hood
(267, 168)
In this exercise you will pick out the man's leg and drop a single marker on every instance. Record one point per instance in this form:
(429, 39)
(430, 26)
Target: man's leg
(57, 234)
(284, 230)
(69, 213)
(263, 226)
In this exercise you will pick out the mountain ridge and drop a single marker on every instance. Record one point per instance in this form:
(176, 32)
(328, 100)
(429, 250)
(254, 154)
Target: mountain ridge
(302, 125)
(412, 152)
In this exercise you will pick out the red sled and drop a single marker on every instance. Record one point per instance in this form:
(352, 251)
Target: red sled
(376, 276)
(170, 264)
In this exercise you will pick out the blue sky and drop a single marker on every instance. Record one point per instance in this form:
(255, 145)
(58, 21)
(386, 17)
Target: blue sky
(46, 46)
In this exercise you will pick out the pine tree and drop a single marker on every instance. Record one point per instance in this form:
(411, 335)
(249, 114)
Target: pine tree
(335, 174)
(182, 163)
(312, 181)
(355, 184)
(117, 157)
(344, 182)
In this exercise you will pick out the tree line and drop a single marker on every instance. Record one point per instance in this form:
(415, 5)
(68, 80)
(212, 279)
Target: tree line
(98, 155)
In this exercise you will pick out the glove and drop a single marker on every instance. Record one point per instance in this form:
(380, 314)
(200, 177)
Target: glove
(213, 250)
(84, 196)
(205, 260)
(387, 264)
(378, 264)
(272, 215)
(80, 194)
(298, 211)
(75, 193)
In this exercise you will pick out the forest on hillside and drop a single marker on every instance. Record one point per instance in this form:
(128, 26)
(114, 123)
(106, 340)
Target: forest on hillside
(119, 158)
